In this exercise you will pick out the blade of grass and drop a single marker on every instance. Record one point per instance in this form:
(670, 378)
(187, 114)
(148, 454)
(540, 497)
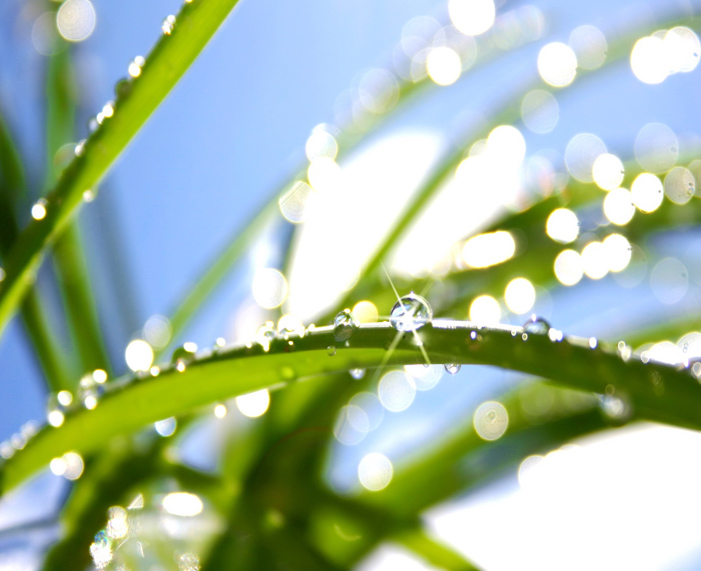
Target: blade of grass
(172, 55)
(431, 550)
(657, 392)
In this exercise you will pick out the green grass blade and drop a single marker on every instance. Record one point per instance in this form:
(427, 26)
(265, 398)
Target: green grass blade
(657, 392)
(432, 551)
(167, 62)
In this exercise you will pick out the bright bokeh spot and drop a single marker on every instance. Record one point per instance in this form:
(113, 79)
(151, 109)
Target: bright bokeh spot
(220, 411)
(254, 404)
(669, 280)
(679, 185)
(321, 143)
(568, 267)
(589, 45)
(396, 391)
(139, 355)
(443, 65)
(157, 331)
(557, 64)
(55, 418)
(656, 147)
(182, 504)
(507, 143)
(608, 171)
(595, 260)
(489, 249)
(520, 295)
(485, 309)
(294, 202)
(647, 192)
(581, 153)
(39, 209)
(562, 225)
(269, 288)
(425, 378)
(649, 61)
(472, 17)
(324, 175)
(166, 427)
(491, 420)
(618, 252)
(75, 20)
(540, 111)
(375, 471)
(366, 312)
(619, 207)
(683, 49)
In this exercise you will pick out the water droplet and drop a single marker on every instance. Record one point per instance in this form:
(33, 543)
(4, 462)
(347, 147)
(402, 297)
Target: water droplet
(593, 342)
(331, 350)
(88, 196)
(80, 148)
(536, 326)
(122, 88)
(136, 65)
(265, 334)
(39, 209)
(616, 409)
(357, 374)
(92, 124)
(524, 336)
(168, 25)
(451, 368)
(155, 371)
(89, 391)
(101, 550)
(624, 350)
(555, 335)
(184, 354)
(344, 325)
(473, 335)
(410, 313)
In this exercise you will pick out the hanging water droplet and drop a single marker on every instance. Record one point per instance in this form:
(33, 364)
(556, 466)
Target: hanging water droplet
(89, 391)
(184, 354)
(451, 368)
(344, 325)
(536, 326)
(357, 374)
(331, 350)
(410, 313)
(80, 148)
(136, 65)
(265, 334)
(168, 25)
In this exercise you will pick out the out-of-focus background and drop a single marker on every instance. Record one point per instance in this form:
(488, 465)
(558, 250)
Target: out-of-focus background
(233, 133)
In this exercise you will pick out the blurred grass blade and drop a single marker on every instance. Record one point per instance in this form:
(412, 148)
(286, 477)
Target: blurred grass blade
(432, 551)
(172, 55)
(656, 392)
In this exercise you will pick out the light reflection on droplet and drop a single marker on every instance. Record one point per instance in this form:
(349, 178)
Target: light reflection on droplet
(520, 295)
(139, 355)
(189, 562)
(491, 420)
(295, 201)
(101, 550)
(683, 49)
(135, 66)
(649, 61)
(55, 418)
(562, 225)
(166, 427)
(269, 288)
(168, 25)
(619, 207)
(580, 154)
(182, 504)
(589, 45)
(117, 523)
(485, 309)
(73, 466)
(425, 378)
(669, 280)
(618, 252)
(254, 404)
(647, 192)
(507, 142)
(321, 143)
(64, 398)
(472, 17)
(75, 20)
(540, 111)
(39, 209)
(375, 471)
(289, 323)
(656, 147)
(220, 411)
(488, 249)
(324, 175)
(557, 64)
(608, 171)
(679, 185)
(396, 391)
(594, 260)
(443, 66)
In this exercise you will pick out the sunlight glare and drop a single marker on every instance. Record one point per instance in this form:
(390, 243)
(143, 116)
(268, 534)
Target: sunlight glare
(557, 64)
(472, 17)
(254, 404)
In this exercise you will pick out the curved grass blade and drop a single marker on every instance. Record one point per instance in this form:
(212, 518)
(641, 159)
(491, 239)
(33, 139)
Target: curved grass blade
(172, 55)
(657, 392)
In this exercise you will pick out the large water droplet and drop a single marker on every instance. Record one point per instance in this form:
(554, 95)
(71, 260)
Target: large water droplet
(183, 356)
(451, 368)
(344, 325)
(331, 350)
(410, 313)
(80, 148)
(168, 25)
(122, 88)
(536, 326)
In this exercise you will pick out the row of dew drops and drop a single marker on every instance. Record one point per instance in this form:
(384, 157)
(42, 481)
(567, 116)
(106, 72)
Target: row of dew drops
(408, 315)
(122, 89)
